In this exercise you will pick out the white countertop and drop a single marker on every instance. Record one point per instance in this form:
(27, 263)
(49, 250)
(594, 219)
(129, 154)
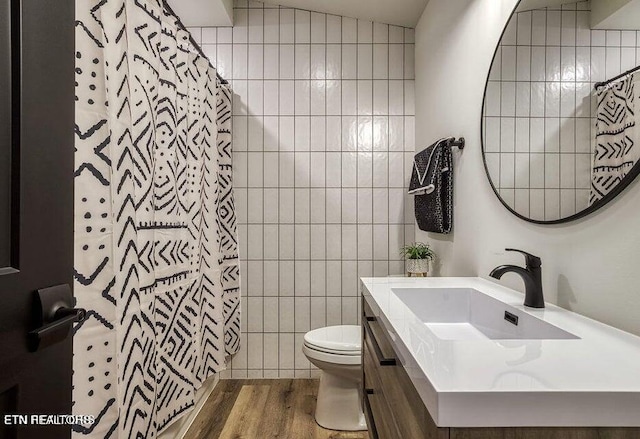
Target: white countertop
(593, 380)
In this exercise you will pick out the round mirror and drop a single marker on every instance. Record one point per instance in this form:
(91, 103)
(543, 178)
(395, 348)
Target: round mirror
(559, 128)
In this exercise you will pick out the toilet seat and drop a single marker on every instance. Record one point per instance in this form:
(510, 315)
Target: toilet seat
(332, 358)
(338, 340)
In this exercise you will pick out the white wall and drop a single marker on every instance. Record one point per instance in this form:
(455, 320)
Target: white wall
(590, 266)
(323, 146)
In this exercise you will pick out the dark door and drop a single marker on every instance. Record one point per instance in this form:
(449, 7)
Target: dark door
(36, 207)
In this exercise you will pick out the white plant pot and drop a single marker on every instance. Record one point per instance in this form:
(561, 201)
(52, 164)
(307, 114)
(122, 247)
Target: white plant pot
(418, 267)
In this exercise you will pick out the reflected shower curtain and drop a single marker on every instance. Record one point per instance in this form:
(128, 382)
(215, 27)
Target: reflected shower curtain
(156, 262)
(617, 135)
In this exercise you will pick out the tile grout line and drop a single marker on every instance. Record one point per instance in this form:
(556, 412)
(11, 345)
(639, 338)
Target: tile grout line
(326, 309)
(248, 168)
(388, 165)
(357, 161)
(544, 124)
(263, 196)
(295, 290)
(502, 81)
(371, 133)
(562, 56)
(401, 152)
(308, 327)
(575, 103)
(515, 108)
(278, 195)
(341, 156)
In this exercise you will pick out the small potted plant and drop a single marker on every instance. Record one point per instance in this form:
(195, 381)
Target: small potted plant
(417, 256)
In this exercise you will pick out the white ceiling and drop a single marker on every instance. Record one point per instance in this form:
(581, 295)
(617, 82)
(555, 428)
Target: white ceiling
(399, 12)
(203, 12)
(219, 12)
(528, 5)
(615, 14)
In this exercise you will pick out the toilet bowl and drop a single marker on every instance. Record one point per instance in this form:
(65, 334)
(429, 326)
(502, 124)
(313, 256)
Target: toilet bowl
(336, 351)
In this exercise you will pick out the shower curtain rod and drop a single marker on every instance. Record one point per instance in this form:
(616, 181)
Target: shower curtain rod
(193, 42)
(615, 78)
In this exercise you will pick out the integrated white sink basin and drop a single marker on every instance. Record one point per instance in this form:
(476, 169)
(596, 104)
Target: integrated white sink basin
(468, 314)
(473, 368)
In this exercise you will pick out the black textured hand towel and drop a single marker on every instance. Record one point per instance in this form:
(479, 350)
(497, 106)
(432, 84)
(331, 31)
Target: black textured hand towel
(432, 185)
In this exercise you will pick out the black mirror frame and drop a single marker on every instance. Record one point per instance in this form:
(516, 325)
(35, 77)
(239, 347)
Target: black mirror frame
(628, 179)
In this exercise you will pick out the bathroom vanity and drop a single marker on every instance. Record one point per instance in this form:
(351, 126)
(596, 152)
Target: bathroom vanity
(462, 358)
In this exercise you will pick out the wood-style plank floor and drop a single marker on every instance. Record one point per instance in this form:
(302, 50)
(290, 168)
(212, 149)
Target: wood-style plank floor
(261, 409)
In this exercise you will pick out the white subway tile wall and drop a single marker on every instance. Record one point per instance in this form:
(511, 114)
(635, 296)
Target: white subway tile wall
(540, 107)
(323, 145)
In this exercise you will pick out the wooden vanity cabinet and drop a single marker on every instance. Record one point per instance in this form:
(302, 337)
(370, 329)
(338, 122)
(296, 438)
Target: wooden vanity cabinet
(393, 407)
(394, 410)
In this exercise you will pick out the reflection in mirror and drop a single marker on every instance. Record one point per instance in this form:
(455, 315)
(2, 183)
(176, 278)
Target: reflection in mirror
(555, 144)
(5, 139)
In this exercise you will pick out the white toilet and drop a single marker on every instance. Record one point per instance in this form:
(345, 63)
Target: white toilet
(337, 352)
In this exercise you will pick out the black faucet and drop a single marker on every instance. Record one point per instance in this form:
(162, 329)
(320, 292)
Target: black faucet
(532, 276)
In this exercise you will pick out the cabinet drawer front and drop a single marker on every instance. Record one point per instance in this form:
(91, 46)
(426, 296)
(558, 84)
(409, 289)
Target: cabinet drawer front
(384, 426)
(411, 415)
(380, 345)
(380, 413)
(366, 309)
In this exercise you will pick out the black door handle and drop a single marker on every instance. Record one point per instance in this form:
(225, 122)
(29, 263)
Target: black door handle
(57, 330)
(57, 316)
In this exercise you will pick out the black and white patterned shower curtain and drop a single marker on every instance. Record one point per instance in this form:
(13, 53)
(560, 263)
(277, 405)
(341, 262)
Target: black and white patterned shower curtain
(229, 262)
(617, 129)
(156, 262)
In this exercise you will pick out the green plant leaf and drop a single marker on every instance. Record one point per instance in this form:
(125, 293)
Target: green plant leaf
(417, 250)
